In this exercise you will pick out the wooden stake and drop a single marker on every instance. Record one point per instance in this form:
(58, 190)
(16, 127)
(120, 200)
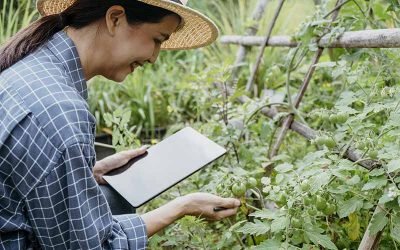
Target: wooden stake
(242, 51)
(289, 119)
(262, 49)
(379, 38)
(371, 242)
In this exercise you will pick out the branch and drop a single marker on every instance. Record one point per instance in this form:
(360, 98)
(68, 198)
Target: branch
(264, 44)
(242, 51)
(371, 242)
(379, 38)
(290, 118)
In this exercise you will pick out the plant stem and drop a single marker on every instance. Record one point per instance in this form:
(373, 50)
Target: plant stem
(236, 235)
(99, 144)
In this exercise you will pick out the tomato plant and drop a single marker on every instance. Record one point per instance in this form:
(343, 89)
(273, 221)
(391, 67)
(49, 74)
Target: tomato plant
(309, 196)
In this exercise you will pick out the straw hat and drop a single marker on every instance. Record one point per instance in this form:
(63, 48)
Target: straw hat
(195, 31)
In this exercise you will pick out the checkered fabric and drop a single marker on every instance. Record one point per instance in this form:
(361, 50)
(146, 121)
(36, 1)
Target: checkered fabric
(48, 196)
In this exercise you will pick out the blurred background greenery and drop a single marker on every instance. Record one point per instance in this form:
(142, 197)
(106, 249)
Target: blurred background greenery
(175, 90)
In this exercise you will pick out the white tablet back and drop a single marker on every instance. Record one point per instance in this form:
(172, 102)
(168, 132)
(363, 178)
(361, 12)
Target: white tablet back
(166, 163)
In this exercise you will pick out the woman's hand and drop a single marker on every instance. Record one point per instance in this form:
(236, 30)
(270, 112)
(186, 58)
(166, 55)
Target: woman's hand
(114, 161)
(203, 205)
(196, 204)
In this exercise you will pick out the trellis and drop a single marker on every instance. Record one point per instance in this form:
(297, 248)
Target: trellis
(382, 38)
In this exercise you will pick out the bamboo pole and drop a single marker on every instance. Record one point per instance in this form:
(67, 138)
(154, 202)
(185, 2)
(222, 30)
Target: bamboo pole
(289, 119)
(250, 82)
(371, 242)
(379, 38)
(274, 41)
(243, 50)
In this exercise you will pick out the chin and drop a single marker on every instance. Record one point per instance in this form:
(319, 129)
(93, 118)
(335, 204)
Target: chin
(117, 78)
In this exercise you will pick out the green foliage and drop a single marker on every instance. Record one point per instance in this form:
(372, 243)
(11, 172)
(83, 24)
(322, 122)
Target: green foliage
(256, 228)
(123, 137)
(314, 197)
(378, 222)
(14, 15)
(319, 239)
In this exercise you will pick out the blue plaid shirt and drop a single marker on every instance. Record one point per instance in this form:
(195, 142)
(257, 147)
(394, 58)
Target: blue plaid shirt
(48, 196)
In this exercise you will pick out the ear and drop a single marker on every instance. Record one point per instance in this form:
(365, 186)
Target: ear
(115, 17)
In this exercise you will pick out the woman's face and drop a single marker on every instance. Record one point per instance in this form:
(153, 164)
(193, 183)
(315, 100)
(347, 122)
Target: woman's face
(132, 46)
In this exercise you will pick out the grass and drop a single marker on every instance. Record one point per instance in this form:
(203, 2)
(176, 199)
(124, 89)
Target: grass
(14, 15)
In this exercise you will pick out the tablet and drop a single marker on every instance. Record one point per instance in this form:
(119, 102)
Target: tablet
(163, 166)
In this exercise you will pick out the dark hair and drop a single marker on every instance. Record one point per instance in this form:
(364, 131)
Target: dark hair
(80, 14)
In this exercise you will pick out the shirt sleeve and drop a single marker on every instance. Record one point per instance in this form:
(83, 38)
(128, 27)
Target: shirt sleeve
(69, 210)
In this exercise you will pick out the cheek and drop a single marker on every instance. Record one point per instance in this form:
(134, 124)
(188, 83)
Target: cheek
(129, 47)
(142, 45)
(143, 50)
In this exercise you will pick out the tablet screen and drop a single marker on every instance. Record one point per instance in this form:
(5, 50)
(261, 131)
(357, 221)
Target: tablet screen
(165, 164)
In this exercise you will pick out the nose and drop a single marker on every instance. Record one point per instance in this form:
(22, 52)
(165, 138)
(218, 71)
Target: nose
(154, 57)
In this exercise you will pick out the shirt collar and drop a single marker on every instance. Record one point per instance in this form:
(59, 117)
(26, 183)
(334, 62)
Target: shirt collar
(62, 46)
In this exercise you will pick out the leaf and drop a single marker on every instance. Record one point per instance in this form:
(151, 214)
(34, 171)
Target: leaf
(265, 214)
(237, 225)
(385, 198)
(375, 183)
(377, 172)
(320, 239)
(378, 222)
(349, 206)
(317, 181)
(354, 180)
(346, 98)
(312, 157)
(395, 230)
(108, 119)
(339, 189)
(279, 224)
(375, 108)
(270, 244)
(279, 178)
(353, 227)
(257, 228)
(393, 165)
(283, 168)
(266, 181)
(126, 116)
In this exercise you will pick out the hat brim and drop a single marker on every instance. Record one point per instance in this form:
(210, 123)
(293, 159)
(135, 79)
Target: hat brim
(195, 31)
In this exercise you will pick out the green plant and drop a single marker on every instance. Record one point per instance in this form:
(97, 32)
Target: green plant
(123, 137)
(319, 199)
(14, 15)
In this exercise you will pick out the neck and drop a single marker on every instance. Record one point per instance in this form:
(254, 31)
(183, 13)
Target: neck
(86, 43)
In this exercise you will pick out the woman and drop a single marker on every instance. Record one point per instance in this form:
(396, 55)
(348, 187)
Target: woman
(49, 197)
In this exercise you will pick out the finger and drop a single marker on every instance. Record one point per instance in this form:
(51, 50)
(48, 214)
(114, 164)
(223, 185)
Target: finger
(101, 181)
(99, 178)
(229, 203)
(225, 213)
(132, 153)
